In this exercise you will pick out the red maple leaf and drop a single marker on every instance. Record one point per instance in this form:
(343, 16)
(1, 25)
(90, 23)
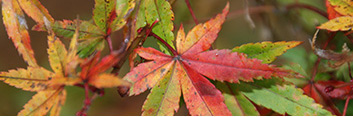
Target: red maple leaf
(186, 71)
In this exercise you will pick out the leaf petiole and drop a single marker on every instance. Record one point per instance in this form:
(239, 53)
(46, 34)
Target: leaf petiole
(174, 52)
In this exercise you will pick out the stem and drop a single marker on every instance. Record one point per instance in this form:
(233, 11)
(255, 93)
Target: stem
(92, 89)
(349, 70)
(309, 7)
(316, 66)
(109, 40)
(346, 105)
(87, 102)
(174, 52)
(191, 12)
(333, 34)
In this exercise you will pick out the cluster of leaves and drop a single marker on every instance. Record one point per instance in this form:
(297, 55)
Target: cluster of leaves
(321, 85)
(210, 81)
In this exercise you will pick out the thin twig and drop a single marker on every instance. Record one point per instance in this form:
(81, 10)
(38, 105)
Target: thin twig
(349, 70)
(191, 12)
(309, 7)
(346, 105)
(87, 102)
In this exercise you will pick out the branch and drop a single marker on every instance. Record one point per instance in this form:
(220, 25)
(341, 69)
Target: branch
(309, 7)
(191, 12)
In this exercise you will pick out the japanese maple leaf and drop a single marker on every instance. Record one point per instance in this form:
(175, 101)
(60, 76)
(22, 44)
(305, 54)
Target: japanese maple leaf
(49, 85)
(186, 71)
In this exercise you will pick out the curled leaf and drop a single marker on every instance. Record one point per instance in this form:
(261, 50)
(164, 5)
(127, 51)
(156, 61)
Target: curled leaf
(340, 58)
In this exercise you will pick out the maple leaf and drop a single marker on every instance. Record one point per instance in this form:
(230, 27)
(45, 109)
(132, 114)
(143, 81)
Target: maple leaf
(185, 72)
(49, 86)
(16, 27)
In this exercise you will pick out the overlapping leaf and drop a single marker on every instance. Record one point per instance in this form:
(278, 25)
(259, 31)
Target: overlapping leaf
(236, 101)
(344, 7)
(321, 97)
(266, 51)
(235, 93)
(340, 15)
(281, 98)
(30, 79)
(16, 28)
(36, 11)
(50, 85)
(151, 10)
(188, 66)
(332, 13)
(106, 19)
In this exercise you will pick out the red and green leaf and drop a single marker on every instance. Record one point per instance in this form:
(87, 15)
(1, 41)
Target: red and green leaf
(191, 64)
(104, 13)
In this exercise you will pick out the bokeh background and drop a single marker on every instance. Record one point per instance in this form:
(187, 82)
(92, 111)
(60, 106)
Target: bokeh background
(271, 23)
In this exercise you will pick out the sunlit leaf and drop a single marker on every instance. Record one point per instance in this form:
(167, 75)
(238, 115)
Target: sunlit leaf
(266, 51)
